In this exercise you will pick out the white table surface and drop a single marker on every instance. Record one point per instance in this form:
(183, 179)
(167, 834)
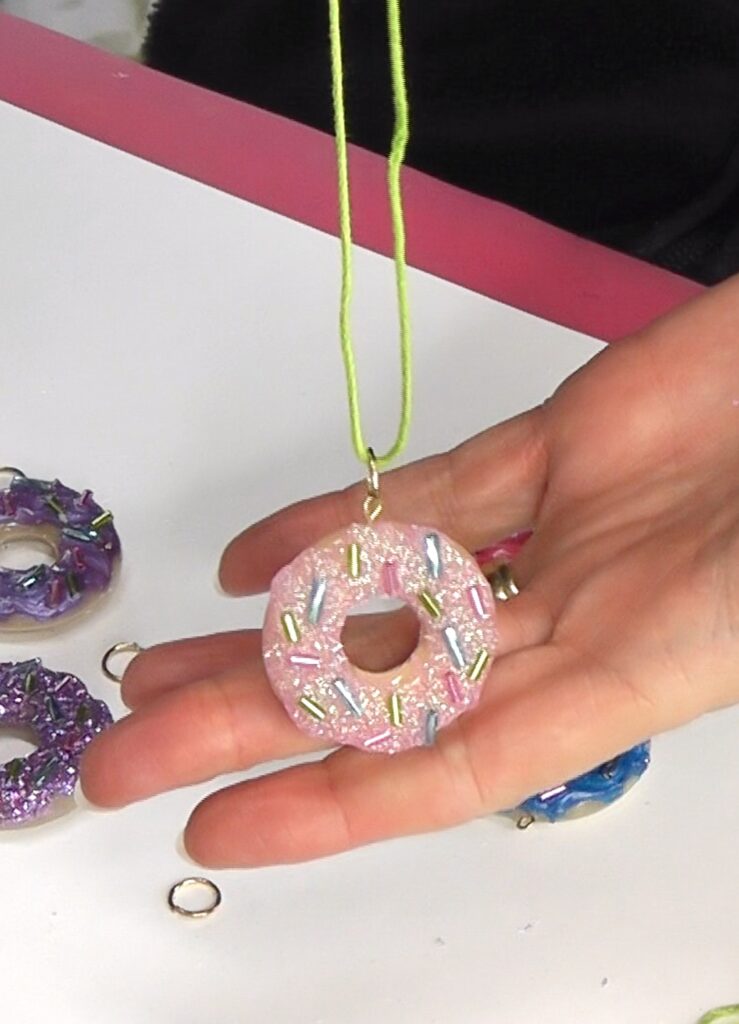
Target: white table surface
(175, 349)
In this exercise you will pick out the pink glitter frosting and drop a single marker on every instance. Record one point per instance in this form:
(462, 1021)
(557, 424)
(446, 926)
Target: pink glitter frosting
(329, 697)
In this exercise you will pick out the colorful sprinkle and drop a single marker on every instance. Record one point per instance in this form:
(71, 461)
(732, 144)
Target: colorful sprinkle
(102, 520)
(83, 714)
(479, 665)
(551, 793)
(433, 555)
(52, 708)
(306, 660)
(477, 601)
(430, 604)
(347, 696)
(32, 577)
(395, 707)
(56, 592)
(390, 582)
(379, 738)
(46, 771)
(313, 708)
(431, 727)
(452, 685)
(315, 601)
(73, 584)
(56, 506)
(84, 536)
(451, 639)
(290, 627)
(354, 560)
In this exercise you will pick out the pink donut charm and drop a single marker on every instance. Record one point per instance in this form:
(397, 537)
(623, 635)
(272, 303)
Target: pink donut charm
(329, 697)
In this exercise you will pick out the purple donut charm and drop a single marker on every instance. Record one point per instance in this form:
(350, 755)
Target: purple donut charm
(77, 532)
(62, 716)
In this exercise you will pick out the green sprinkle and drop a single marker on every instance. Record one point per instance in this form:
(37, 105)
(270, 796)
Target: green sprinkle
(102, 520)
(14, 768)
(73, 584)
(56, 506)
(83, 714)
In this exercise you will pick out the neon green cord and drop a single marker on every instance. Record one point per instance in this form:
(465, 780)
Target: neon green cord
(395, 162)
(722, 1013)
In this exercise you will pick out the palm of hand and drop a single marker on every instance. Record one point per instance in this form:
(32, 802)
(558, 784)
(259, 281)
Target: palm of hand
(628, 622)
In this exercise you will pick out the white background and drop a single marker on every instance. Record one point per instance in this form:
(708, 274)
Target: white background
(175, 349)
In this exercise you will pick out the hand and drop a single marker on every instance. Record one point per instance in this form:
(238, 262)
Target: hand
(627, 624)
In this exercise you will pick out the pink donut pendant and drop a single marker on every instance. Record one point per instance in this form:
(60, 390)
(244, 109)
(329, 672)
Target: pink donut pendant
(329, 697)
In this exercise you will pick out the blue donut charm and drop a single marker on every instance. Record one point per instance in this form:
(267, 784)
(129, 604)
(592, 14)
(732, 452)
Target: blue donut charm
(587, 793)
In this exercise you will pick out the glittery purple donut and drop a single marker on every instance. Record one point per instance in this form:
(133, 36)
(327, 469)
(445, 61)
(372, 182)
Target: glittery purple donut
(84, 541)
(57, 708)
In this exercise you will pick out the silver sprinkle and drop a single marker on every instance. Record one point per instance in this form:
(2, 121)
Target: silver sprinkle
(347, 696)
(451, 639)
(305, 659)
(84, 536)
(433, 555)
(431, 727)
(315, 601)
(31, 577)
(552, 792)
(477, 602)
(377, 739)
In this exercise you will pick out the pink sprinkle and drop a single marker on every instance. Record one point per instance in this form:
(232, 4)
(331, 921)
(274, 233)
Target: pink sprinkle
(305, 659)
(452, 684)
(390, 580)
(377, 739)
(478, 602)
(79, 562)
(55, 594)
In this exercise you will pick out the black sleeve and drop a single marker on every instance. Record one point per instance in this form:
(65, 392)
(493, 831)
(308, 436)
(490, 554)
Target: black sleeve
(616, 120)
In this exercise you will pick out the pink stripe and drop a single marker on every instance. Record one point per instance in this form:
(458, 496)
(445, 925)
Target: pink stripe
(452, 685)
(390, 581)
(286, 167)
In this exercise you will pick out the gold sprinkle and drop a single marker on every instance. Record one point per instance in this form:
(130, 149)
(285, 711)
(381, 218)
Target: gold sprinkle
(354, 560)
(102, 520)
(73, 584)
(56, 506)
(479, 665)
(395, 707)
(430, 603)
(290, 627)
(313, 708)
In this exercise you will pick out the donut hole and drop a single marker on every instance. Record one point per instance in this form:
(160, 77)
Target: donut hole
(380, 634)
(16, 741)
(24, 547)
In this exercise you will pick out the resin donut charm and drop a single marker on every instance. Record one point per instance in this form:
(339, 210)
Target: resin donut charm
(588, 793)
(329, 697)
(61, 715)
(79, 535)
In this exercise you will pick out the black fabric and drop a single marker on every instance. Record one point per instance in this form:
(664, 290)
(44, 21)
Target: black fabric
(616, 119)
